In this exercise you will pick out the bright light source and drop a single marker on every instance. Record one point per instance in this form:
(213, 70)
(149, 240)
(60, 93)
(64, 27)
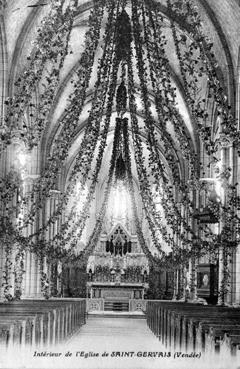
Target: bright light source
(119, 202)
(22, 159)
(217, 185)
(218, 188)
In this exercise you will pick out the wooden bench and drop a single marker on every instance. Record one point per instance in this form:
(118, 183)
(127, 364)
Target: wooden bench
(40, 322)
(190, 326)
(230, 344)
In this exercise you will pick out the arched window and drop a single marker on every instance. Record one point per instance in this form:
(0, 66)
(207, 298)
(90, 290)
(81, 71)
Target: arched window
(118, 243)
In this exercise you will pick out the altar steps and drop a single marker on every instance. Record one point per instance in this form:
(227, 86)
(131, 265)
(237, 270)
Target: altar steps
(116, 306)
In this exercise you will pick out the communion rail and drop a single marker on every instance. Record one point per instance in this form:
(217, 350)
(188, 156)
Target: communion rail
(39, 323)
(190, 327)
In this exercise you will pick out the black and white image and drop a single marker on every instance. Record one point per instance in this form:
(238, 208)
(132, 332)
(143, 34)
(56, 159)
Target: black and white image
(120, 184)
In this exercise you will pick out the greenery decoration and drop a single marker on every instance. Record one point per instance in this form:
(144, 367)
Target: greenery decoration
(133, 64)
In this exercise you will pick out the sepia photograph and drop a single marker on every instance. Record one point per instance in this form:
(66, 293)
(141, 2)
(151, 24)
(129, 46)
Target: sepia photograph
(119, 184)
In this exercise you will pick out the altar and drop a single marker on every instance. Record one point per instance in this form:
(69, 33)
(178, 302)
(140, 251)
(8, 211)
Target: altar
(113, 291)
(117, 272)
(116, 297)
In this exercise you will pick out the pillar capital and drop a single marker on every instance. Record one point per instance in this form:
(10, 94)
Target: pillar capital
(31, 178)
(54, 193)
(224, 141)
(223, 175)
(201, 184)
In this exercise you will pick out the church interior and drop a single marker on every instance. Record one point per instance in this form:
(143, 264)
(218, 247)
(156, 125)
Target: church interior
(120, 170)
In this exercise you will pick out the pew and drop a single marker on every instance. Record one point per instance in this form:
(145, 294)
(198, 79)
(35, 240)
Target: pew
(230, 343)
(192, 327)
(40, 322)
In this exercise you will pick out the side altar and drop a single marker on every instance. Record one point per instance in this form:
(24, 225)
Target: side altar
(117, 273)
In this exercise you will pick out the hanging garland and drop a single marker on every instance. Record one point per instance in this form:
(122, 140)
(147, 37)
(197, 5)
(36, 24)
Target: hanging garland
(98, 227)
(164, 91)
(8, 270)
(102, 147)
(53, 35)
(164, 96)
(150, 208)
(132, 192)
(111, 87)
(19, 270)
(48, 178)
(189, 14)
(84, 214)
(86, 206)
(159, 173)
(152, 68)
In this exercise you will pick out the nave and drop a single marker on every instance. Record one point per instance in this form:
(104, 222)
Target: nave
(119, 179)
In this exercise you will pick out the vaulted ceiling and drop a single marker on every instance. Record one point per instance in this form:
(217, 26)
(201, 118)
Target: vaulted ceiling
(23, 18)
(19, 30)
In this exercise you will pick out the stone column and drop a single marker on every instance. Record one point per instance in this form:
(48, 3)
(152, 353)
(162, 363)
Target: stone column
(193, 262)
(32, 279)
(175, 272)
(184, 267)
(237, 276)
(175, 284)
(27, 278)
(3, 63)
(224, 177)
(193, 278)
(1, 269)
(10, 165)
(52, 232)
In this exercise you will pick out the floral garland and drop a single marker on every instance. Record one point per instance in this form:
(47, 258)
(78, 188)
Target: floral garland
(51, 82)
(188, 12)
(69, 255)
(95, 21)
(103, 136)
(150, 208)
(19, 270)
(7, 272)
(109, 111)
(46, 49)
(9, 186)
(138, 147)
(157, 62)
(98, 227)
(152, 142)
(118, 51)
(69, 122)
(130, 185)
(159, 58)
(83, 216)
(85, 154)
(191, 72)
(160, 76)
(79, 225)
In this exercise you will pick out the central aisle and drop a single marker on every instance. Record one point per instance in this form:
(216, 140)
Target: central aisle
(124, 339)
(121, 342)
